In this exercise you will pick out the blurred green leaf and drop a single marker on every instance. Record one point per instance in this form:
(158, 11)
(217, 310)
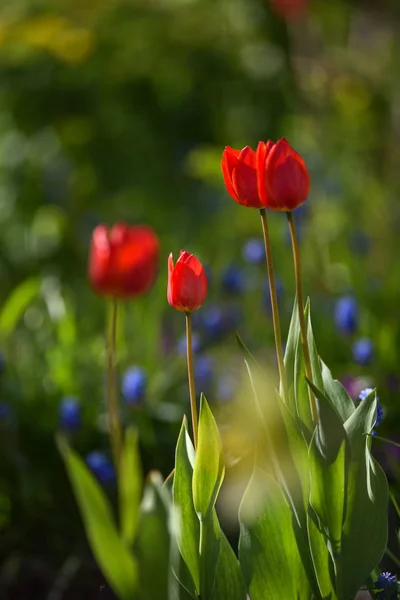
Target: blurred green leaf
(322, 560)
(152, 543)
(365, 528)
(189, 527)
(268, 551)
(208, 472)
(116, 562)
(130, 486)
(290, 353)
(229, 581)
(337, 394)
(16, 304)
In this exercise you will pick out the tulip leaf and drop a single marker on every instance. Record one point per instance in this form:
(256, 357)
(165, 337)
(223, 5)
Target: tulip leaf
(365, 528)
(290, 355)
(112, 555)
(337, 394)
(322, 560)
(268, 550)
(301, 393)
(314, 358)
(229, 581)
(152, 544)
(130, 486)
(208, 472)
(16, 303)
(188, 535)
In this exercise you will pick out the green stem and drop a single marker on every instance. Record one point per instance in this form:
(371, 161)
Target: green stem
(112, 396)
(393, 557)
(192, 392)
(300, 304)
(274, 305)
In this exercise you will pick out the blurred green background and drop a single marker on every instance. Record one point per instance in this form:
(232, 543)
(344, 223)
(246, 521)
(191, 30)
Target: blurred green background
(119, 110)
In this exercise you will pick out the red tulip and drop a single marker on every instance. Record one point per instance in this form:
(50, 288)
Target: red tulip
(239, 168)
(288, 9)
(283, 179)
(187, 282)
(123, 260)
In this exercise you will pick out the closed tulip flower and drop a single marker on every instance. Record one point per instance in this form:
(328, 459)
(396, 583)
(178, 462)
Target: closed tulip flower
(239, 168)
(123, 260)
(187, 282)
(283, 178)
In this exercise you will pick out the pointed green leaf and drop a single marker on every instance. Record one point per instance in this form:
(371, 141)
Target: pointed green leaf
(114, 558)
(290, 355)
(328, 493)
(210, 544)
(188, 522)
(322, 560)
(365, 527)
(301, 393)
(330, 430)
(229, 581)
(130, 486)
(152, 544)
(337, 394)
(315, 360)
(209, 468)
(268, 551)
(16, 303)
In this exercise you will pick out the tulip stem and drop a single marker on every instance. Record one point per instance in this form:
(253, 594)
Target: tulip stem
(192, 392)
(302, 322)
(274, 305)
(112, 395)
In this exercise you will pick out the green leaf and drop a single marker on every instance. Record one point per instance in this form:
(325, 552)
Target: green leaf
(209, 468)
(337, 394)
(328, 492)
(229, 581)
(153, 541)
(130, 486)
(301, 392)
(290, 355)
(188, 537)
(315, 360)
(210, 543)
(365, 528)
(268, 550)
(330, 430)
(322, 560)
(16, 303)
(112, 555)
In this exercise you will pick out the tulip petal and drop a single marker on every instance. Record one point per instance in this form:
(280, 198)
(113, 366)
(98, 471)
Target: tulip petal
(244, 179)
(228, 164)
(263, 150)
(286, 177)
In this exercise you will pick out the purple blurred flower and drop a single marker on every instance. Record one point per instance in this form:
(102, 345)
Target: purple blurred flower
(69, 414)
(134, 384)
(363, 351)
(346, 315)
(100, 466)
(253, 251)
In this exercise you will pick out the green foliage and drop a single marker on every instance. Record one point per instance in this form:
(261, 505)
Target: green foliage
(114, 558)
(130, 486)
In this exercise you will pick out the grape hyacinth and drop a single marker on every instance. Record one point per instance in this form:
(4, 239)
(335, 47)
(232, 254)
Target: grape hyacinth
(134, 384)
(386, 587)
(363, 351)
(379, 410)
(346, 315)
(100, 466)
(253, 251)
(69, 414)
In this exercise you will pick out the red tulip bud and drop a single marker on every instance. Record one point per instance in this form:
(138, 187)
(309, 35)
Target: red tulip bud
(283, 179)
(187, 282)
(123, 260)
(239, 168)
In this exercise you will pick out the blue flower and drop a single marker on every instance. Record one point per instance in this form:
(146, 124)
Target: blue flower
(181, 344)
(386, 587)
(69, 414)
(100, 466)
(253, 251)
(363, 351)
(5, 411)
(134, 384)
(346, 315)
(379, 410)
(203, 372)
(233, 280)
(225, 389)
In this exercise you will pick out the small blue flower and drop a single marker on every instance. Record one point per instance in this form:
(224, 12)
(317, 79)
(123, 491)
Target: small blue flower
(134, 384)
(225, 389)
(363, 351)
(233, 280)
(100, 466)
(213, 321)
(346, 315)
(379, 410)
(386, 587)
(5, 411)
(69, 414)
(253, 251)
(181, 344)
(203, 372)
